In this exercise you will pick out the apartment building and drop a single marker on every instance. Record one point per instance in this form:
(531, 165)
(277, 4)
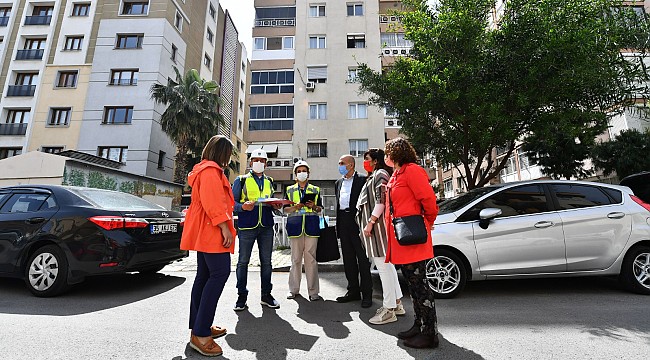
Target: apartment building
(76, 75)
(304, 101)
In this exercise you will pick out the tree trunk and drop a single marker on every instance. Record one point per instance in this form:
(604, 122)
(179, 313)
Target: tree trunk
(180, 171)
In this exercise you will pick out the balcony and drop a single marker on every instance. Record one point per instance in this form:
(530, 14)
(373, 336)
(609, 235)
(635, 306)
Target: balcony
(21, 90)
(29, 54)
(13, 129)
(4, 20)
(38, 20)
(123, 82)
(275, 22)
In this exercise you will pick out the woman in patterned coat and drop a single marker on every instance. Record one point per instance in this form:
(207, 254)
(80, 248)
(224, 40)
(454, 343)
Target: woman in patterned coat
(370, 217)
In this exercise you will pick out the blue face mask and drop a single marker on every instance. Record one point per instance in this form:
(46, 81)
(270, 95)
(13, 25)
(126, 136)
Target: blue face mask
(343, 169)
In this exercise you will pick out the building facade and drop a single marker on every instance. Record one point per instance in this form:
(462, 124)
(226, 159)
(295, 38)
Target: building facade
(76, 75)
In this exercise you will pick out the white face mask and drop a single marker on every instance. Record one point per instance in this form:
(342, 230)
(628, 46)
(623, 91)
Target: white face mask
(302, 176)
(258, 167)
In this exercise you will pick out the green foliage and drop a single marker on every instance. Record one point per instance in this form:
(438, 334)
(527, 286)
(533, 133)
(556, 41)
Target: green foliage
(99, 181)
(191, 117)
(127, 187)
(627, 154)
(548, 73)
(76, 178)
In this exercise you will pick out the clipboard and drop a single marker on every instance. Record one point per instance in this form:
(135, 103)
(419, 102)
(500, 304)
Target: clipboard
(308, 197)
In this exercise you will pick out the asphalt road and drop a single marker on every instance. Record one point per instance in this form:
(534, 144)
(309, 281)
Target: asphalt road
(145, 317)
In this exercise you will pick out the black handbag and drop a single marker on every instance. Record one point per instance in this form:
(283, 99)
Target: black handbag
(327, 248)
(409, 230)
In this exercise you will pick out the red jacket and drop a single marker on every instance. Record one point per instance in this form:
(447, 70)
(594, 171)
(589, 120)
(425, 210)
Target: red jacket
(411, 194)
(212, 203)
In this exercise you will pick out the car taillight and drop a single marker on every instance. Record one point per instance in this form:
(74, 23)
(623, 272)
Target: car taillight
(641, 202)
(117, 222)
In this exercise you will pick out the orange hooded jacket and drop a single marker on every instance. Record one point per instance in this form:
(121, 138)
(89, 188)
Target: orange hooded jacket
(212, 203)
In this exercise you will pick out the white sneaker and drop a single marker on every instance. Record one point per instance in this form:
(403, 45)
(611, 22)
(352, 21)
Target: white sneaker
(399, 310)
(383, 316)
(291, 295)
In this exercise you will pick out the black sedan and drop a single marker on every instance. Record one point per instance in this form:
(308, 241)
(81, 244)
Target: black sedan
(55, 236)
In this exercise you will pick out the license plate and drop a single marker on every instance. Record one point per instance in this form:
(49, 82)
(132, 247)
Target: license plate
(164, 228)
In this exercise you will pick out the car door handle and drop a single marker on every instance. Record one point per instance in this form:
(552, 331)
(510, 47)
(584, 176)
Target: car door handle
(615, 215)
(35, 220)
(544, 224)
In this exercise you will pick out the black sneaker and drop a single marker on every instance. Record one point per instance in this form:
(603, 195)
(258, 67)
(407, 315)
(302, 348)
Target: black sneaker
(269, 301)
(240, 305)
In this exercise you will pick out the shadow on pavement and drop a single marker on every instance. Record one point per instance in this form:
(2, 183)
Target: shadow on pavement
(268, 336)
(312, 312)
(94, 294)
(193, 354)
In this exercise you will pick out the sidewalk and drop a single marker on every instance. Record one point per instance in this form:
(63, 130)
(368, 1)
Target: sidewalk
(280, 260)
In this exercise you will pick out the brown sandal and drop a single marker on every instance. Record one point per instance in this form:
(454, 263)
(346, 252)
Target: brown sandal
(210, 348)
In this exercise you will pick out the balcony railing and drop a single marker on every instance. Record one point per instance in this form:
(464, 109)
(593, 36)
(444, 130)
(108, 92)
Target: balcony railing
(4, 20)
(124, 82)
(38, 20)
(29, 54)
(13, 129)
(21, 90)
(275, 22)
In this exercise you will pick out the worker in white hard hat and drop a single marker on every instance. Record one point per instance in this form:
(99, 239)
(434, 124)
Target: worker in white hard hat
(255, 223)
(303, 230)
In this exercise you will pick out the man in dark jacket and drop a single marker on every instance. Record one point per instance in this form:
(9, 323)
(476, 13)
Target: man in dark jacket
(355, 261)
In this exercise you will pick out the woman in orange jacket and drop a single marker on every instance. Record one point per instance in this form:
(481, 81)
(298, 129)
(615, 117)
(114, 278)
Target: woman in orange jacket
(409, 193)
(210, 232)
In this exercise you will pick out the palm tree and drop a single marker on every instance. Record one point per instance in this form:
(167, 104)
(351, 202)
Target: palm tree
(192, 114)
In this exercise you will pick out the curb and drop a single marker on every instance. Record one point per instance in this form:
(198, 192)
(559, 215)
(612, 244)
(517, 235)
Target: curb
(321, 268)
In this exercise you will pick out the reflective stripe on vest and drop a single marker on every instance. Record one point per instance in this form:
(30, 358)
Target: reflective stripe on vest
(313, 229)
(251, 192)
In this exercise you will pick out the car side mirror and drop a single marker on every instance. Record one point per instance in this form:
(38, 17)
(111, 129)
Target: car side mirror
(486, 215)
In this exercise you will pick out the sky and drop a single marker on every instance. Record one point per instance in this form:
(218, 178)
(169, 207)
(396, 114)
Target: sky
(242, 13)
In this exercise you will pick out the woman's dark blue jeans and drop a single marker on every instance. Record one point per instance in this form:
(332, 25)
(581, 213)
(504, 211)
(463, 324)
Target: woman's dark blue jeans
(211, 275)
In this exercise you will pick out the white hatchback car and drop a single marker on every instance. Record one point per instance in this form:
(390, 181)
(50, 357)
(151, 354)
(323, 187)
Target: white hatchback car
(541, 228)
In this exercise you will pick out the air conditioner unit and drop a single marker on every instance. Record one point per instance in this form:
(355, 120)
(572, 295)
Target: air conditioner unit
(391, 123)
(278, 163)
(310, 86)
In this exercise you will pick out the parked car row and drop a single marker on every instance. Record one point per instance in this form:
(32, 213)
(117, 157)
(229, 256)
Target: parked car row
(55, 236)
(542, 229)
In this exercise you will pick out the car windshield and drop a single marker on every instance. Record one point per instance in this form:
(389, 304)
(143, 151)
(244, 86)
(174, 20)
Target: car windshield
(460, 202)
(115, 200)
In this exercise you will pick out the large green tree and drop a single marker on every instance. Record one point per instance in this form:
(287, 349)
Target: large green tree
(547, 72)
(192, 115)
(626, 154)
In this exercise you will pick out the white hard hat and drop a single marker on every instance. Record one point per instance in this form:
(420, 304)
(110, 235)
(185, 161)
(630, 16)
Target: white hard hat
(299, 164)
(259, 153)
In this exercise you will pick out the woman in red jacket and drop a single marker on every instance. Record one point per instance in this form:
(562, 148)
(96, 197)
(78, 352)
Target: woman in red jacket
(409, 193)
(210, 232)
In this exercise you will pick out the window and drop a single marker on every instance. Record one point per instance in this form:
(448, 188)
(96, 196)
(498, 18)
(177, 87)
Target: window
(273, 43)
(238, 145)
(272, 82)
(131, 41)
(26, 78)
(357, 111)
(243, 67)
(212, 12)
(358, 147)
(271, 117)
(523, 161)
(240, 126)
(572, 196)
(174, 51)
(73, 43)
(42, 11)
(135, 8)
(241, 85)
(52, 149)
(510, 167)
(80, 9)
(356, 41)
(521, 200)
(317, 74)
(206, 60)
(17, 116)
(352, 75)
(355, 9)
(393, 39)
(210, 36)
(317, 150)
(287, 42)
(7, 152)
(241, 105)
(258, 43)
(59, 116)
(316, 10)
(5, 12)
(161, 160)
(19, 203)
(449, 185)
(317, 42)
(34, 44)
(178, 21)
(317, 111)
(115, 153)
(284, 12)
(118, 114)
(124, 77)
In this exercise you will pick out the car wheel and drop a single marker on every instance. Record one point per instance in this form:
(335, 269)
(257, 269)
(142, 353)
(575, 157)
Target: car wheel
(46, 273)
(151, 269)
(446, 274)
(635, 272)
